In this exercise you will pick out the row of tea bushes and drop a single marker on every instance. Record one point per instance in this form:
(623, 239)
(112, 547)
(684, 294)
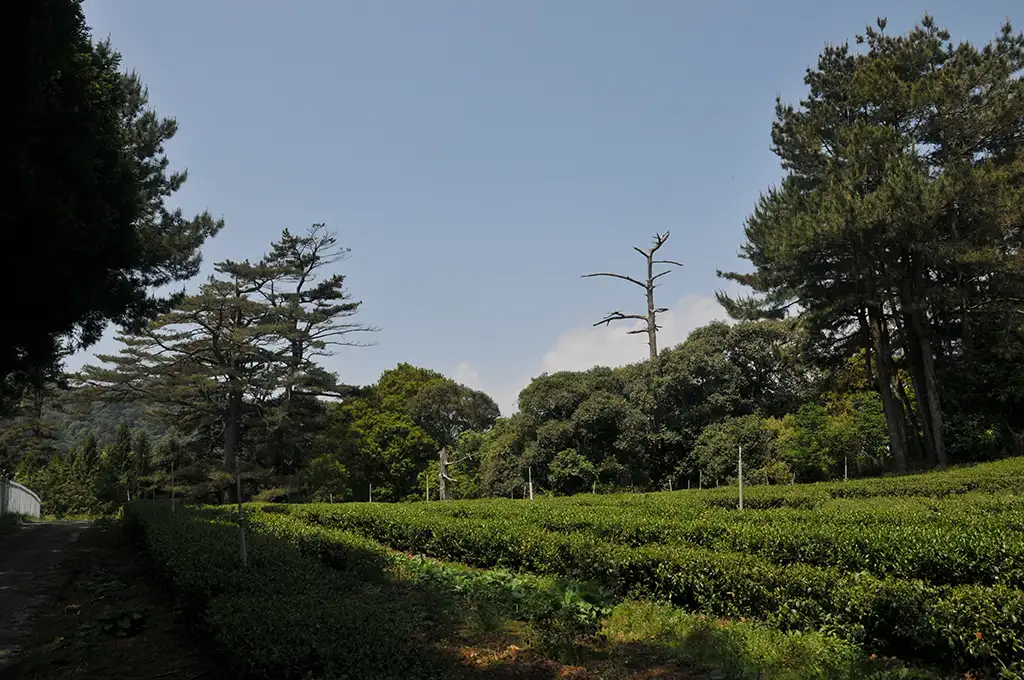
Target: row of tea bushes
(967, 625)
(284, 615)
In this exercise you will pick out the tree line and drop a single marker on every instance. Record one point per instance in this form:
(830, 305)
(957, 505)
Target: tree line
(884, 330)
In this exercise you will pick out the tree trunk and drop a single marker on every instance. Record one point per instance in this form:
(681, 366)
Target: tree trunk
(652, 327)
(442, 486)
(893, 410)
(931, 386)
(922, 363)
(915, 444)
(232, 430)
(922, 412)
(1018, 442)
(862, 318)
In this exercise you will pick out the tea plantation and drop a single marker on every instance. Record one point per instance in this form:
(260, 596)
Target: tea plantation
(827, 580)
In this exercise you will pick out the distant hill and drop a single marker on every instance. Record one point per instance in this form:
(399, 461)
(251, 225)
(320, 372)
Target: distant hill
(76, 420)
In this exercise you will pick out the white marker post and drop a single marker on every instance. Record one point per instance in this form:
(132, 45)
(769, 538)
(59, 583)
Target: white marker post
(530, 472)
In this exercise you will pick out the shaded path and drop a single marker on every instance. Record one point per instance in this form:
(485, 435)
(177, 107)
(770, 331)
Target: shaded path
(29, 578)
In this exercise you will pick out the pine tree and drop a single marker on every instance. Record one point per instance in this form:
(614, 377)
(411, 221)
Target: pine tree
(119, 460)
(243, 349)
(901, 209)
(142, 457)
(88, 457)
(201, 364)
(88, 182)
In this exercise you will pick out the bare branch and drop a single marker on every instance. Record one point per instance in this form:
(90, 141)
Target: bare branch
(673, 262)
(617, 276)
(619, 316)
(659, 241)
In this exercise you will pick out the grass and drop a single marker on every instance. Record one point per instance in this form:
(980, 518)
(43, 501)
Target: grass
(744, 650)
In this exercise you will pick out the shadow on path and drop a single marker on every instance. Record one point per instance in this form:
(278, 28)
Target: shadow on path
(29, 578)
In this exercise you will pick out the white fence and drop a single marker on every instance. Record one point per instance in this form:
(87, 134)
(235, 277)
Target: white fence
(18, 500)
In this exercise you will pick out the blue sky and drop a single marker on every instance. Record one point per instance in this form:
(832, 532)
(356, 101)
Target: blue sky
(479, 156)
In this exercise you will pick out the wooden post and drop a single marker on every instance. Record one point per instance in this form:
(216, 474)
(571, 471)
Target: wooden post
(700, 479)
(669, 483)
(371, 492)
(845, 477)
(530, 473)
(741, 477)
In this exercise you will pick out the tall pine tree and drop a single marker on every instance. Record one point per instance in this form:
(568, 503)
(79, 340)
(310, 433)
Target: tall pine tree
(899, 217)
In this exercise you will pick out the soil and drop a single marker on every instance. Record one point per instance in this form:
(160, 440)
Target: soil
(30, 559)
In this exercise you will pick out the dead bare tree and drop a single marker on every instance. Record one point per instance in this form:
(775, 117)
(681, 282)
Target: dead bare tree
(444, 477)
(443, 463)
(652, 312)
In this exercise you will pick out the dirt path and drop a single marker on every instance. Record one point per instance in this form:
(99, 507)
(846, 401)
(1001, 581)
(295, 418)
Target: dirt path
(106, 620)
(30, 558)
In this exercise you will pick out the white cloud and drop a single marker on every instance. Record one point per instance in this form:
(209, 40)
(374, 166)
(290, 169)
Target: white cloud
(585, 347)
(467, 375)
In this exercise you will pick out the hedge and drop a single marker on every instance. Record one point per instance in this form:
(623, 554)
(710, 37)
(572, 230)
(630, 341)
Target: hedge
(940, 624)
(737, 649)
(967, 550)
(284, 615)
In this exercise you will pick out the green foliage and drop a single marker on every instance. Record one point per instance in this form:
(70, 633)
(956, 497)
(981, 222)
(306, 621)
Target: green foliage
(6, 464)
(716, 452)
(89, 183)
(391, 434)
(569, 472)
(325, 479)
(88, 481)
